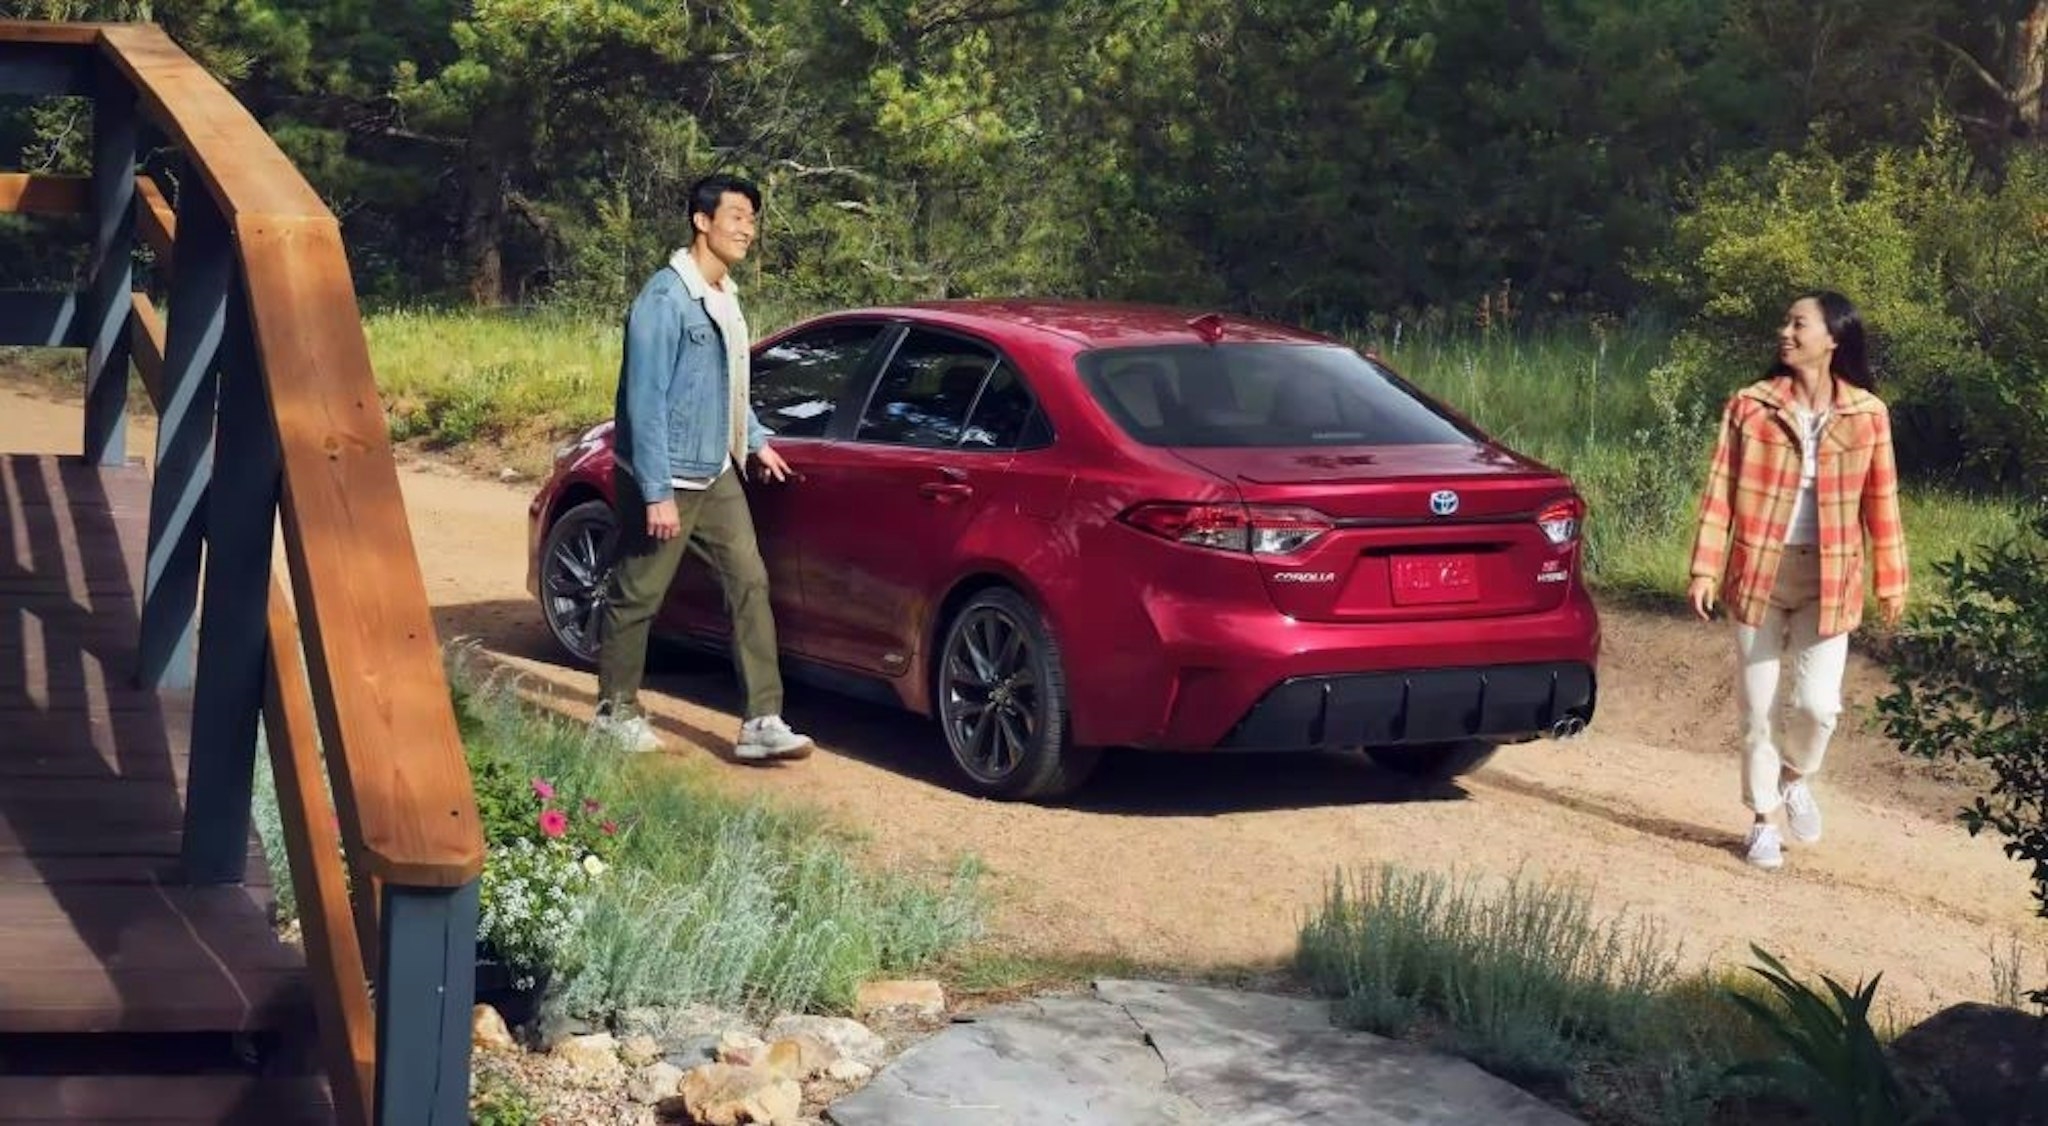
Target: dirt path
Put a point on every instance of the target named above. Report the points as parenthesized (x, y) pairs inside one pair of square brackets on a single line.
[(1213, 860)]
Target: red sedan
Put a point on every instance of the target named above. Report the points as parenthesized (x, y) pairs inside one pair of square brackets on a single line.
[(1062, 527)]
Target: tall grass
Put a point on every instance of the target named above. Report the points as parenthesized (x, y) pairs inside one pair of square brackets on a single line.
[(1595, 400), (1523, 978), (712, 899), (741, 904), (518, 378)]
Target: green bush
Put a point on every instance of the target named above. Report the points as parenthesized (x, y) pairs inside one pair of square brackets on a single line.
[(1948, 263), (711, 898), (1971, 682), (1532, 985), (1831, 1060)]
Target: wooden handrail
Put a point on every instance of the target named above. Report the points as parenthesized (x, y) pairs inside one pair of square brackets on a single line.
[(355, 693), (385, 713), (36, 194)]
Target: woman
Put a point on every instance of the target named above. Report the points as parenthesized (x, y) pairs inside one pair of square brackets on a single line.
[(1803, 472)]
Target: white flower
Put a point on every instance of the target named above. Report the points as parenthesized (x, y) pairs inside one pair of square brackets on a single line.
[(593, 865)]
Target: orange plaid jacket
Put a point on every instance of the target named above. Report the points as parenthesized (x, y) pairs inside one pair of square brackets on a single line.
[(1747, 507)]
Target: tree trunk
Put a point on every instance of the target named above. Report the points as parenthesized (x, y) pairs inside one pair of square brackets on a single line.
[(486, 175), (2025, 69)]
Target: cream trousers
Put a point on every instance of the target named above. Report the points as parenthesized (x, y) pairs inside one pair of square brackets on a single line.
[(1790, 633)]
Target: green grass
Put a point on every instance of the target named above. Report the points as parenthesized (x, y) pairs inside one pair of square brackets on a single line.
[(1521, 976), (743, 904), (1590, 400), (520, 379)]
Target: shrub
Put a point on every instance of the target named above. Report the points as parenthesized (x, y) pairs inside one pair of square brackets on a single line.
[(1971, 682), (1949, 266), (1531, 984), (1830, 1059)]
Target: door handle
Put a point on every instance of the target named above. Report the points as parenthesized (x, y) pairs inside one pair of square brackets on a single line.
[(945, 490)]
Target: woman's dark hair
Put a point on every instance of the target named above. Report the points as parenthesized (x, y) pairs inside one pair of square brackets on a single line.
[(1845, 324), (706, 193)]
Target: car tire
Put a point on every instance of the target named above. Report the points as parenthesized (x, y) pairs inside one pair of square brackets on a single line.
[(1436, 762), (1000, 694), (575, 572)]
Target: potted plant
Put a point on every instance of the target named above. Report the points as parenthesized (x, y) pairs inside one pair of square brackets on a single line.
[(545, 854)]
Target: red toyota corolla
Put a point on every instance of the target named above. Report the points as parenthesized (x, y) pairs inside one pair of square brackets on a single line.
[(1059, 528)]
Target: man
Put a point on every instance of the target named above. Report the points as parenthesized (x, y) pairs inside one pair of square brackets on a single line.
[(684, 434)]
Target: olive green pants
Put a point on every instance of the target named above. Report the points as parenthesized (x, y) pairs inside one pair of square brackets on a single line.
[(716, 523)]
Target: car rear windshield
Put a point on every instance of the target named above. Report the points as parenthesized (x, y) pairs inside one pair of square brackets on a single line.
[(1262, 395)]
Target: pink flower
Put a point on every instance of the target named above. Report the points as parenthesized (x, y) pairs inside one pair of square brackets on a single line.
[(542, 790), (609, 828), (554, 822), (590, 805)]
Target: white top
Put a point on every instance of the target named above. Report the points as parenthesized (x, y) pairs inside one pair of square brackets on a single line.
[(1805, 527), (723, 303)]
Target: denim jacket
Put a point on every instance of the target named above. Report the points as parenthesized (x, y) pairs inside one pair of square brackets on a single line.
[(671, 407)]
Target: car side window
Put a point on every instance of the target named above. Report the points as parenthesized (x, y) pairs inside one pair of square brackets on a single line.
[(924, 396), (796, 384), (1006, 417)]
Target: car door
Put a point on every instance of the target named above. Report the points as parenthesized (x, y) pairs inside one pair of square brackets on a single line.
[(798, 383), (901, 492)]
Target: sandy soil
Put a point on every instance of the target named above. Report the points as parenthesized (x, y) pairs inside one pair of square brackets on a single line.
[(1212, 861)]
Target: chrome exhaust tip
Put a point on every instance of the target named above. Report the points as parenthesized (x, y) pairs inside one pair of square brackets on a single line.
[(1567, 728)]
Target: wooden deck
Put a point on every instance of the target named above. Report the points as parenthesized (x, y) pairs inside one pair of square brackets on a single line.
[(97, 935)]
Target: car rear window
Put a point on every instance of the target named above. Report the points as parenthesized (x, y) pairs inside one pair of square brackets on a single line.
[(1262, 395)]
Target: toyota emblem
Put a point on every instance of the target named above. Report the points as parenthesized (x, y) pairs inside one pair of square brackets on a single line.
[(1443, 502)]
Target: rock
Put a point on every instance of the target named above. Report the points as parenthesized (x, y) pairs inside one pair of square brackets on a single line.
[(852, 1039), (849, 1071), (800, 1057), (509, 474), (1991, 1063), (719, 1094), (917, 998), (640, 1050), (653, 1083), (553, 1028), (487, 1031), (693, 1052), (741, 1049), (593, 1058)]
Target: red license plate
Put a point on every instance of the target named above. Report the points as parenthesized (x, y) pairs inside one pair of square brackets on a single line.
[(1421, 580)]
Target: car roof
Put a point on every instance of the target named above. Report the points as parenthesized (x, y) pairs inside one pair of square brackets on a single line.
[(1087, 324)]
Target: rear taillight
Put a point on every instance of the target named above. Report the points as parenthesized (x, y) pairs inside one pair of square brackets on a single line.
[(1256, 529), (1560, 520)]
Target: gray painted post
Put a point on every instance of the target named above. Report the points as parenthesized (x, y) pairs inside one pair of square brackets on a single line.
[(39, 320), (200, 288), (241, 513), (424, 997), (113, 266)]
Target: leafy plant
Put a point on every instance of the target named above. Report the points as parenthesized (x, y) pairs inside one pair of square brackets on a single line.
[(1971, 682), (546, 853), (1832, 1061)]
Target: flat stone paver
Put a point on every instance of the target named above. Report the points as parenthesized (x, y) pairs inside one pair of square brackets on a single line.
[(1135, 1053)]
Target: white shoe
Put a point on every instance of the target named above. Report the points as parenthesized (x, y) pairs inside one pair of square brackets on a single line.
[(1765, 849), (1802, 813), (767, 737), (631, 732)]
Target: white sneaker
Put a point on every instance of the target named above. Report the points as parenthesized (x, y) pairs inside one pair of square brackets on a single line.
[(631, 732), (1765, 849), (767, 737), (1802, 813)]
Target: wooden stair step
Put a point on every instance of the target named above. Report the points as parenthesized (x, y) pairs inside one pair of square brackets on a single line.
[(169, 1099)]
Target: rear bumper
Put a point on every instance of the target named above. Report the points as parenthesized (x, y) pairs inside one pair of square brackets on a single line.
[(1386, 709)]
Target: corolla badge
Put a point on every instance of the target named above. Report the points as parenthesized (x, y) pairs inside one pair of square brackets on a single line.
[(1443, 502)]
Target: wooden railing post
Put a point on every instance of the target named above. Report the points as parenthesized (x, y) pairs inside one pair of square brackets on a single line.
[(113, 266), (200, 291), (241, 515), (424, 995)]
